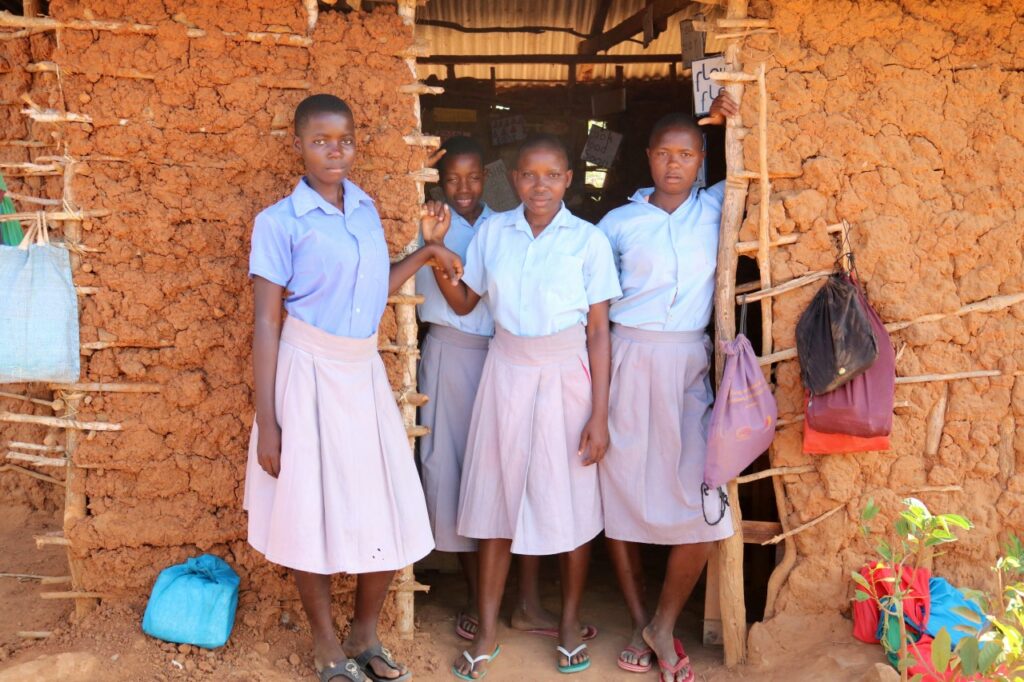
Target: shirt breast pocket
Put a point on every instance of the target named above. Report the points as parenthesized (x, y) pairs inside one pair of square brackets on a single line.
[(698, 251), (566, 285)]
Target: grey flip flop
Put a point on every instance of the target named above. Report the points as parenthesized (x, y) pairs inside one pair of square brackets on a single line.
[(346, 670), (379, 651)]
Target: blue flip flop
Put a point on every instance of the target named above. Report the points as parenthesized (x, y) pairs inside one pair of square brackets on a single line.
[(573, 667), (473, 663)]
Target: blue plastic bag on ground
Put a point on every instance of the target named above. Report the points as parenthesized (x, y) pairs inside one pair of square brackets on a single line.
[(38, 312), (946, 598), (193, 603)]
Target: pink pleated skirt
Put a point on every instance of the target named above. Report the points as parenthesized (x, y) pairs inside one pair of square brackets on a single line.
[(659, 409), (522, 478), (450, 367), (348, 498)]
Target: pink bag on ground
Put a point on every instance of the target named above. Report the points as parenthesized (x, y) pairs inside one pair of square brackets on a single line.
[(743, 418), (863, 406)]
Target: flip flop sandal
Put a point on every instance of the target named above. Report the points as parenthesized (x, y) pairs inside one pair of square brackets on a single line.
[(379, 651), (572, 667), (349, 670), (460, 628), (589, 632), (473, 663), (638, 653), (683, 662)]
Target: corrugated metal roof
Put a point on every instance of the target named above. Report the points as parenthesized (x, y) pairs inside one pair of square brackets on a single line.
[(574, 14)]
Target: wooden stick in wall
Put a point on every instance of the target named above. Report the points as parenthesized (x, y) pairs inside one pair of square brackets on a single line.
[(936, 423), (36, 24), (31, 474), (729, 559)]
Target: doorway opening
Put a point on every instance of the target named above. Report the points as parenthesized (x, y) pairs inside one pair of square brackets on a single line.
[(597, 73)]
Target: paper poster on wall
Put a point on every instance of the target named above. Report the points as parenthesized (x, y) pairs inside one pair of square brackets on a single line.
[(507, 130), (601, 147), (704, 89), (498, 192)]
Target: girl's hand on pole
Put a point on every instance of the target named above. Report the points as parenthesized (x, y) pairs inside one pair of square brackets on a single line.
[(447, 262), (722, 108)]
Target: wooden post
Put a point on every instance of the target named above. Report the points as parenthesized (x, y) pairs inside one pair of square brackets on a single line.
[(406, 337), (729, 557)]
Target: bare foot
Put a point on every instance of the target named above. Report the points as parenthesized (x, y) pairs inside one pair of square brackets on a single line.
[(533, 617), (637, 644), (475, 660), (663, 644)]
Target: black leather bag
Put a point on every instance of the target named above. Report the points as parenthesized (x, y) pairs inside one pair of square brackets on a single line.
[(834, 338)]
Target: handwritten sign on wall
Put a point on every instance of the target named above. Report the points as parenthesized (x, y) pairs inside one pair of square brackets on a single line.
[(704, 89)]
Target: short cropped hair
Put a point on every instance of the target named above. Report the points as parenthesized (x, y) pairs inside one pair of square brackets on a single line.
[(674, 121), (460, 145), (320, 104), (544, 141)]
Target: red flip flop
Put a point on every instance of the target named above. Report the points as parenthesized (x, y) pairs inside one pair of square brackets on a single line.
[(589, 632), (683, 662), (460, 629), (639, 653)]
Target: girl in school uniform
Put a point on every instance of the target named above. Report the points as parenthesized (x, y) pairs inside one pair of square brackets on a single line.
[(331, 484), (452, 361), (540, 418), (665, 243)]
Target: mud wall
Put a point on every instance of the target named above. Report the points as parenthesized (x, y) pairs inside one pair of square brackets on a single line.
[(906, 119), (44, 90), (190, 138)]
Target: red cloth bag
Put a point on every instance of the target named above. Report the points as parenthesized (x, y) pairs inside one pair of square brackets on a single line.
[(818, 443), (862, 406)]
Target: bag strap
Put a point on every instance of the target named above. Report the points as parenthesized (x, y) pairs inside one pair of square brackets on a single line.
[(743, 314), (31, 234)]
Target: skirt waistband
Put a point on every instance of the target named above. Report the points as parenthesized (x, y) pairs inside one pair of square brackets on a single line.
[(540, 350), (651, 336), (321, 344), (457, 337)]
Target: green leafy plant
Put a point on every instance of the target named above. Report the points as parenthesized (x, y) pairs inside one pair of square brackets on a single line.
[(997, 653), (915, 531)]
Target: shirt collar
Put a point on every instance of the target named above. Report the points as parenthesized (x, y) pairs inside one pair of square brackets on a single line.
[(561, 219), (484, 214), (305, 199), (643, 196)]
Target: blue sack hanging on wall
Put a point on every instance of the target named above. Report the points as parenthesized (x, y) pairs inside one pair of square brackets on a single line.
[(193, 603)]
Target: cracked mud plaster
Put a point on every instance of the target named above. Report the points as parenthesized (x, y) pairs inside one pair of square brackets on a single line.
[(185, 161), (906, 119)]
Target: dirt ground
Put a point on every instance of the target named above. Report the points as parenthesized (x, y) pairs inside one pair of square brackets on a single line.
[(270, 643)]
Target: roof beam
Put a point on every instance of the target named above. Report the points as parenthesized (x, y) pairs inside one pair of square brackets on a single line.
[(600, 18), (440, 23), (550, 59), (661, 10)]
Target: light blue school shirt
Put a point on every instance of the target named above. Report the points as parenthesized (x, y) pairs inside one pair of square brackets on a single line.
[(666, 261), (335, 264), (434, 308), (540, 286)]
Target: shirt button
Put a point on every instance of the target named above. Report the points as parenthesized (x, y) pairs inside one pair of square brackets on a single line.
[(357, 310)]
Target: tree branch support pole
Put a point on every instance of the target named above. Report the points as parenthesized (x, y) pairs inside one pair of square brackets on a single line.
[(74, 499), (405, 317), (727, 557)]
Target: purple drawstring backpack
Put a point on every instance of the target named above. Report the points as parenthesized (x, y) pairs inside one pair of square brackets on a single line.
[(743, 418)]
